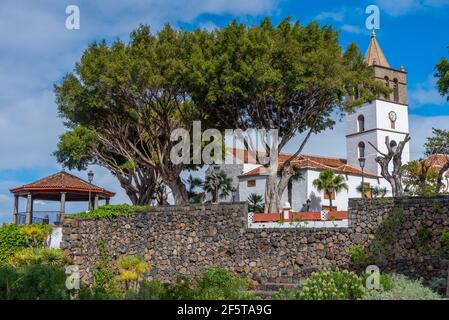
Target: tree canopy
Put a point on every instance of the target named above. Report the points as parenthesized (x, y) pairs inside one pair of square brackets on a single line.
[(287, 77)]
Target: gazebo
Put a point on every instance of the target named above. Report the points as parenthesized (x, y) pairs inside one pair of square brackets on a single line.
[(61, 186)]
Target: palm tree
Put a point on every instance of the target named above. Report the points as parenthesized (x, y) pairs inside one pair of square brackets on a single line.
[(219, 185), (376, 192), (193, 184), (255, 202), (330, 182)]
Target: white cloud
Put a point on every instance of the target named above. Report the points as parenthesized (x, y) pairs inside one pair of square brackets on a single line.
[(425, 93), (402, 7), (351, 28), (329, 15)]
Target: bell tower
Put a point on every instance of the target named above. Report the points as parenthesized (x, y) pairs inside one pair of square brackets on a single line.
[(384, 116)]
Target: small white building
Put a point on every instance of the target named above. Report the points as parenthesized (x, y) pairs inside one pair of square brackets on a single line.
[(368, 124)]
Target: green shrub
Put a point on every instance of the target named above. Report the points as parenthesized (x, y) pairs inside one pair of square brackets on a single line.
[(149, 290), (42, 256), (357, 254), (33, 282), (422, 239), (219, 284), (14, 238), (110, 212), (285, 294), (182, 289), (403, 289), (332, 285), (443, 252)]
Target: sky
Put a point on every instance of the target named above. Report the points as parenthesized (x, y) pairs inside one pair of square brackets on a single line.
[(37, 50)]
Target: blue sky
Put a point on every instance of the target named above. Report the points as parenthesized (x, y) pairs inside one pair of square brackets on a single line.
[(36, 50)]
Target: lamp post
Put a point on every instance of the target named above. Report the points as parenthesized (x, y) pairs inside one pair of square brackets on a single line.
[(90, 178), (362, 166), (331, 192)]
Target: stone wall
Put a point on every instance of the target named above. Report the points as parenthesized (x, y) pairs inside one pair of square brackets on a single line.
[(181, 240)]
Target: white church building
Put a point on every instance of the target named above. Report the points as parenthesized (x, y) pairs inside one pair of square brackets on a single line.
[(370, 123)]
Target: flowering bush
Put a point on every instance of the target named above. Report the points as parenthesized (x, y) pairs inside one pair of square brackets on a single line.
[(332, 285)]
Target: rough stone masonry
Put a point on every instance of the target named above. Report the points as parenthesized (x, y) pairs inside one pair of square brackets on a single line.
[(182, 240)]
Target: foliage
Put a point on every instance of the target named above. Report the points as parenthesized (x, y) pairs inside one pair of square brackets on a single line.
[(181, 289), (442, 74), (332, 285), (287, 77), (149, 290), (419, 178), (219, 284), (357, 254), (33, 282), (376, 191), (192, 185), (403, 289), (39, 256), (131, 269), (443, 252), (14, 238), (132, 96), (255, 203), (327, 180), (422, 239), (110, 212), (219, 185), (385, 236)]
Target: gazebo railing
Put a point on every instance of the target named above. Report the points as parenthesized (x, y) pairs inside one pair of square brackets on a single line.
[(40, 217)]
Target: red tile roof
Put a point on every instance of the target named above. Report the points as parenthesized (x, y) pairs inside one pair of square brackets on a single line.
[(302, 161), (63, 181)]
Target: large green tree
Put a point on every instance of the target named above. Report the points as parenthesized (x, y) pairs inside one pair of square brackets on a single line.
[(287, 77), (438, 144), (442, 74), (132, 96), (79, 147)]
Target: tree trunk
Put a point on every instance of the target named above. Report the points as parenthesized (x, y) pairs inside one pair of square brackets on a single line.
[(271, 195), (440, 177), (178, 189), (330, 201)]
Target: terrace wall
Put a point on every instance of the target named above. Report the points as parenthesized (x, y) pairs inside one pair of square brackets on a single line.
[(181, 240)]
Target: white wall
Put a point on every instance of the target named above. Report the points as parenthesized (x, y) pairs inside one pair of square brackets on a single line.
[(376, 117), (304, 189)]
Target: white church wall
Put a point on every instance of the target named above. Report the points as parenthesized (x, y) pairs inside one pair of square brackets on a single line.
[(352, 151)]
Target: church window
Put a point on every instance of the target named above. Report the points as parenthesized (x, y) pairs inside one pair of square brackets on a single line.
[(396, 90), (387, 81), (361, 149), (361, 123)]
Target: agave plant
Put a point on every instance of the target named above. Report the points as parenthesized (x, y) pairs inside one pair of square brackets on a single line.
[(255, 202)]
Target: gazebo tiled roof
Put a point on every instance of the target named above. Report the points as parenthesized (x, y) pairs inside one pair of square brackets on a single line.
[(60, 182)]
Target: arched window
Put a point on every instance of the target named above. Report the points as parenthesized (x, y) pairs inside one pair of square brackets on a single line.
[(361, 123), (387, 81), (361, 149), (396, 90)]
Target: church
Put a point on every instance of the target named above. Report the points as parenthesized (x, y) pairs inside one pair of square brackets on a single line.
[(368, 124)]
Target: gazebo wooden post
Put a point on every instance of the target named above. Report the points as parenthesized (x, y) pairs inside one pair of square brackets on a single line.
[(107, 201), (62, 207), (29, 210), (96, 198), (16, 209)]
